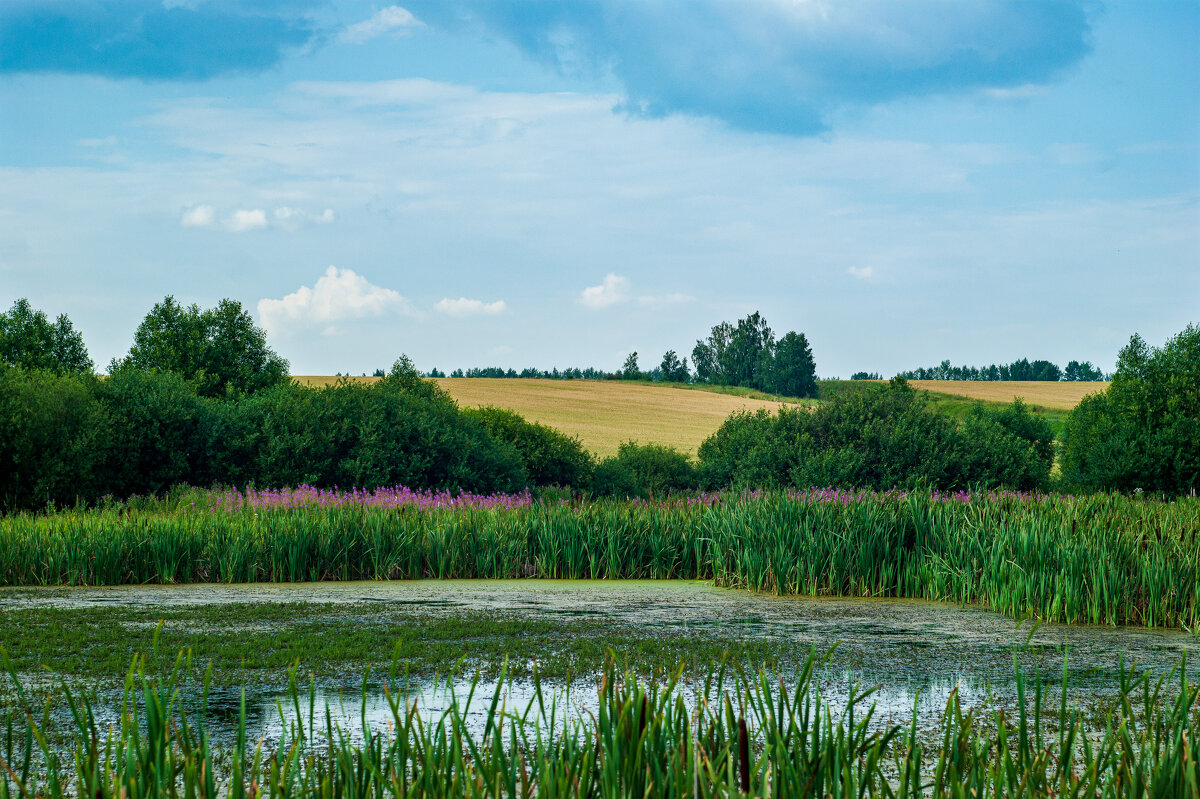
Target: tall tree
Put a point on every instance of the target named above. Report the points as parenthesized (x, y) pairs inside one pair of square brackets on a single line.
[(672, 369), (29, 340), (1077, 371), (220, 350), (751, 349), (630, 370), (794, 372)]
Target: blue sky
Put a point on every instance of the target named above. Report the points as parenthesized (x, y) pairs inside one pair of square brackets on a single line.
[(554, 182)]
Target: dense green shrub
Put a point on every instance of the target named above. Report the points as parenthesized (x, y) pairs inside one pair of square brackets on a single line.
[(352, 434), (878, 436), (1144, 431), (156, 433), (70, 438), (50, 428), (550, 457), (644, 470)]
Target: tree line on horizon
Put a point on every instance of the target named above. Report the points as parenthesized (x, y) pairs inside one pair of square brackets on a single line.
[(744, 354), (202, 398), (1019, 370)]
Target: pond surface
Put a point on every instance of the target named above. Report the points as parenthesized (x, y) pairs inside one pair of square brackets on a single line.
[(913, 651)]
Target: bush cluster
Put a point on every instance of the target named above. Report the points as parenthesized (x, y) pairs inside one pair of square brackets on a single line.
[(1144, 431), (65, 439), (879, 437)]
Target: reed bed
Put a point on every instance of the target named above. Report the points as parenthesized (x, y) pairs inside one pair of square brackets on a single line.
[(1099, 559), (735, 737)]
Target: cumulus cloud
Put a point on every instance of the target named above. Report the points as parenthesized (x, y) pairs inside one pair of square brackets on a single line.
[(613, 290), (392, 19), (149, 38), (468, 307), (861, 272), (243, 220), (777, 65), (339, 294)]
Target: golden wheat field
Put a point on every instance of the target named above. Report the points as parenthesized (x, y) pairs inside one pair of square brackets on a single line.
[(1059, 396), (602, 414)]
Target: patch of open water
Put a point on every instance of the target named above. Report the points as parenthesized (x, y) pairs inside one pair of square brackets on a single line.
[(912, 651)]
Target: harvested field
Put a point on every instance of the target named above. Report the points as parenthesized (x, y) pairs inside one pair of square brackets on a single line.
[(1059, 396), (601, 413)]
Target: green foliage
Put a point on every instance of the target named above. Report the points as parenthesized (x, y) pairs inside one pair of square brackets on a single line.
[(50, 428), (630, 370), (1095, 559), (220, 350), (747, 354), (1144, 431), (70, 438), (866, 376), (749, 736), (1077, 371), (644, 471), (879, 436), (550, 457), (28, 340), (793, 373), (1023, 369), (157, 432), (672, 369)]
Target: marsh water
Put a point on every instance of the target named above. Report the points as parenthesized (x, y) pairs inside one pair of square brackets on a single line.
[(915, 653)]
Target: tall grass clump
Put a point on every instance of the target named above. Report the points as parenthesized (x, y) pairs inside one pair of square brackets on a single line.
[(736, 737), (1099, 559)]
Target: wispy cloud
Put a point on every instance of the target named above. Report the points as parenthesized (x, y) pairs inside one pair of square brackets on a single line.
[(861, 272), (199, 216), (247, 219), (468, 307), (613, 290), (339, 294), (393, 19)]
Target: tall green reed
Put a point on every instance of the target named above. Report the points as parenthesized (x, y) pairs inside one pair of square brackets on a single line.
[(1101, 559), (727, 736)]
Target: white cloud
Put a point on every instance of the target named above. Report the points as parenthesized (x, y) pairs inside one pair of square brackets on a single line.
[(614, 289), (388, 20), (199, 216), (467, 307), (338, 294), (861, 272), (246, 219)]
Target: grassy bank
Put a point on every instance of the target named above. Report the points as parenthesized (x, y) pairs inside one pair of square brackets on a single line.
[(740, 736), (1101, 559)]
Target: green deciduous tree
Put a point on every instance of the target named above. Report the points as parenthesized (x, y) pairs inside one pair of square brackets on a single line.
[(793, 371), (1144, 431), (220, 350), (1077, 371), (630, 370), (28, 340), (672, 369)]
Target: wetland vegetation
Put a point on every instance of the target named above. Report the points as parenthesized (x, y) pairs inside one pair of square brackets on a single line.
[(1098, 559)]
